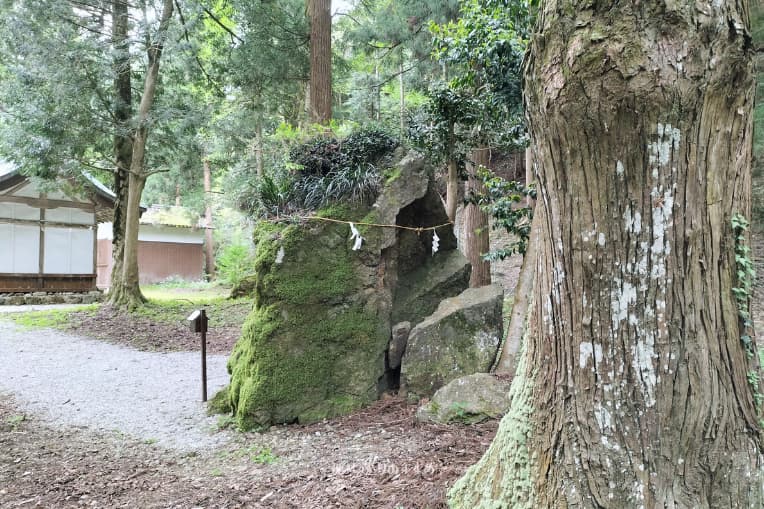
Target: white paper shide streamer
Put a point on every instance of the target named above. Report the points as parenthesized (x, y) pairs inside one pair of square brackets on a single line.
[(280, 255), (354, 234), (435, 242)]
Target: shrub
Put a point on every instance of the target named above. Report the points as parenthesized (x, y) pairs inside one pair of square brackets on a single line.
[(234, 263)]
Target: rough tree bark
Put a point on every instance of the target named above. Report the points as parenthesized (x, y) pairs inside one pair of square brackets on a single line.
[(320, 90), (476, 227), (632, 390), (128, 293), (123, 143)]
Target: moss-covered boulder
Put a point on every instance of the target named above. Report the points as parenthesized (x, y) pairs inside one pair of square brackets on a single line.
[(461, 338), (316, 343), (468, 400)]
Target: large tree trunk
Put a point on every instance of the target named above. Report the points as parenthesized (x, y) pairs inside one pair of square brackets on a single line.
[(123, 144), (632, 388), (128, 293), (320, 91), (476, 227)]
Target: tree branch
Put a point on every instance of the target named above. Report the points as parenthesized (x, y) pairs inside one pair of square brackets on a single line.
[(220, 23)]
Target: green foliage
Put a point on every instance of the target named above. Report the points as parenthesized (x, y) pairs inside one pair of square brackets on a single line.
[(745, 275), (324, 171), (233, 264), (505, 202), (324, 155)]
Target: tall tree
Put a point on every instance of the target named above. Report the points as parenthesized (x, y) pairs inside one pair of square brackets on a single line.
[(123, 142), (484, 49), (320, 89), (128, 293), (638, 384)]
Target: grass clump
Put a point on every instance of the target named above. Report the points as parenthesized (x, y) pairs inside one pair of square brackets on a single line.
[(60, 319)]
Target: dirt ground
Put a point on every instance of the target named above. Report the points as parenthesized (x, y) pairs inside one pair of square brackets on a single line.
[(143, 333), (378, 458)]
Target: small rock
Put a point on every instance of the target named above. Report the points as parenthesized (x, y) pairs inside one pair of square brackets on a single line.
[(398, 342), (468, 400), (461, 338)]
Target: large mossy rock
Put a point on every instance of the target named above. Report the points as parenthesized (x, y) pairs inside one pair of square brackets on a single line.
[(315, 345), (461, 338), (468, 400)]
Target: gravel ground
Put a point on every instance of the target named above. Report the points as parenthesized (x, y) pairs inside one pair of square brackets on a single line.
[(71, 381)]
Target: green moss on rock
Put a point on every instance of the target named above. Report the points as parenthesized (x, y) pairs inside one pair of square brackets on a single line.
[(220, 403), (309, 350)]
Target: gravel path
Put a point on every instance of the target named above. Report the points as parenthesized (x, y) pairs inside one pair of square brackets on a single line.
[(72, 381)]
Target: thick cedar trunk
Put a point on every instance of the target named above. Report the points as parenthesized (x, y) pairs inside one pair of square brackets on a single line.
[(123, 144), (209, 247), (320, 92), (128, 293), (476, 228), (631, 390)]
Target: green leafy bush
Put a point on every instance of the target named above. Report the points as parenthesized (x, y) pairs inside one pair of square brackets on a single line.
[(503, 200), (234, 263), (323, 156), (325, 171)]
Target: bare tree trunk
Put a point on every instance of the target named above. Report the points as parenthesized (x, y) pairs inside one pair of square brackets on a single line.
[(320, 61), (452, 178), (510, 351), (402, 99), (476, 227), (123, 144), (208, 242), (258, 146), (127, 293), (634, 388)]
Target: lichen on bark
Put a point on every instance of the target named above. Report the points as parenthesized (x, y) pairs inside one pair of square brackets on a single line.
[(640, 119), (502, 478)]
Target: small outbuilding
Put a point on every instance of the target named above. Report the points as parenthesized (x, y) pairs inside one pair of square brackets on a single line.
[(48, 235), (170, 246)]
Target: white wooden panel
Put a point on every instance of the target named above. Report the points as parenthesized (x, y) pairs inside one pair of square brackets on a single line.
[(105, 231), (19, 211), (176, 234), (6, 248), (69, 216), (58, 251), (19, 249), (59, 215), (82, 251), (68, 251), (78, 216), (22, 211)]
